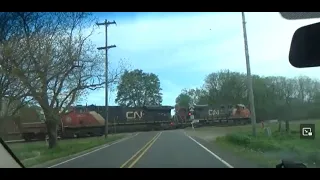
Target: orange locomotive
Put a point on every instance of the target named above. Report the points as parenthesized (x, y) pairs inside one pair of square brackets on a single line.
[(240, 111), (205, 114)]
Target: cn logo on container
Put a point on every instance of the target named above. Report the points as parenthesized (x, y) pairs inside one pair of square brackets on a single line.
[(134, 115), (213, 112)]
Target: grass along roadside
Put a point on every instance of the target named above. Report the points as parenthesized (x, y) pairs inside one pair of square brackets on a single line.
[(281, 145), (264, 150), (35, 153)]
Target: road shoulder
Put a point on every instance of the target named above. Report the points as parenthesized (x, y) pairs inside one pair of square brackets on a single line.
[(228, 156), (54, 162)]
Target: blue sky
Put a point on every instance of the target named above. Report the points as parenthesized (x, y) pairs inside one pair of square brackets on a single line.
[(182, 48)]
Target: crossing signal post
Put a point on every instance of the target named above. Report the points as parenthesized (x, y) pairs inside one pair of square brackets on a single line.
[(191, 110)]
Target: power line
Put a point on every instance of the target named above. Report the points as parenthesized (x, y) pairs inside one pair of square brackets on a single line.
[(249, 77), (106, 23)]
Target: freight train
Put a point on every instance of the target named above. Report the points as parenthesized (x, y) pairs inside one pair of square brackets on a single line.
[(205, 115), (81, 121), (90, 120)]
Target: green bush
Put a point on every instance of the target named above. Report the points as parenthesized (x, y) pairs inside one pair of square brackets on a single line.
[(238, 139), (255, 143), (281, 136)]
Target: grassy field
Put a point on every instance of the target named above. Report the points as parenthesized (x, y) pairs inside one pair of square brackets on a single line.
[(34, 153), (264, 150)]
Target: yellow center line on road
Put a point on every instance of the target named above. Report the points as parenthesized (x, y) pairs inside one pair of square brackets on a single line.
[(142, 151)]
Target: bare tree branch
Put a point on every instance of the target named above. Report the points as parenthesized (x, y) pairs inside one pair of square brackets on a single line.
[(51, 56)]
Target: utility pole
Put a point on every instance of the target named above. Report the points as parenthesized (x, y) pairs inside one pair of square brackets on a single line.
[(249, 77), (106, 23)]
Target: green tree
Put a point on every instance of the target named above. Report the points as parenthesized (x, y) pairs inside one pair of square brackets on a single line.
[(276, 97), (195, 96), (51, 55), (137, 88), (183, 100)]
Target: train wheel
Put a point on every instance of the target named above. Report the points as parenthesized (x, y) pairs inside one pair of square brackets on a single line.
[(41, 136), (26, 137)]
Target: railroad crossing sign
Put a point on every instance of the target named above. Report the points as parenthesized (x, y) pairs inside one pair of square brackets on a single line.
[(191, 108)]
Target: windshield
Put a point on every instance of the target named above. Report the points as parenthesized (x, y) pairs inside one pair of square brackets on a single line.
[(214, 87)]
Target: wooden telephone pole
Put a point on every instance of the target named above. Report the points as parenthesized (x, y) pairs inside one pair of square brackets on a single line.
[(106, 23), (249, 77)]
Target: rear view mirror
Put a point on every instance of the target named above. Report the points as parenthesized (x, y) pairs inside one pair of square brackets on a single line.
[(305, 47), (300, 15)]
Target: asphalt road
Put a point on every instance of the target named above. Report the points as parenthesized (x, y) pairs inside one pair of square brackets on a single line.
[(165, 149)]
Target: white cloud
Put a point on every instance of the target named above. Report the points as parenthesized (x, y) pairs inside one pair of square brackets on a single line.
[(154, 33), (183, 48)]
